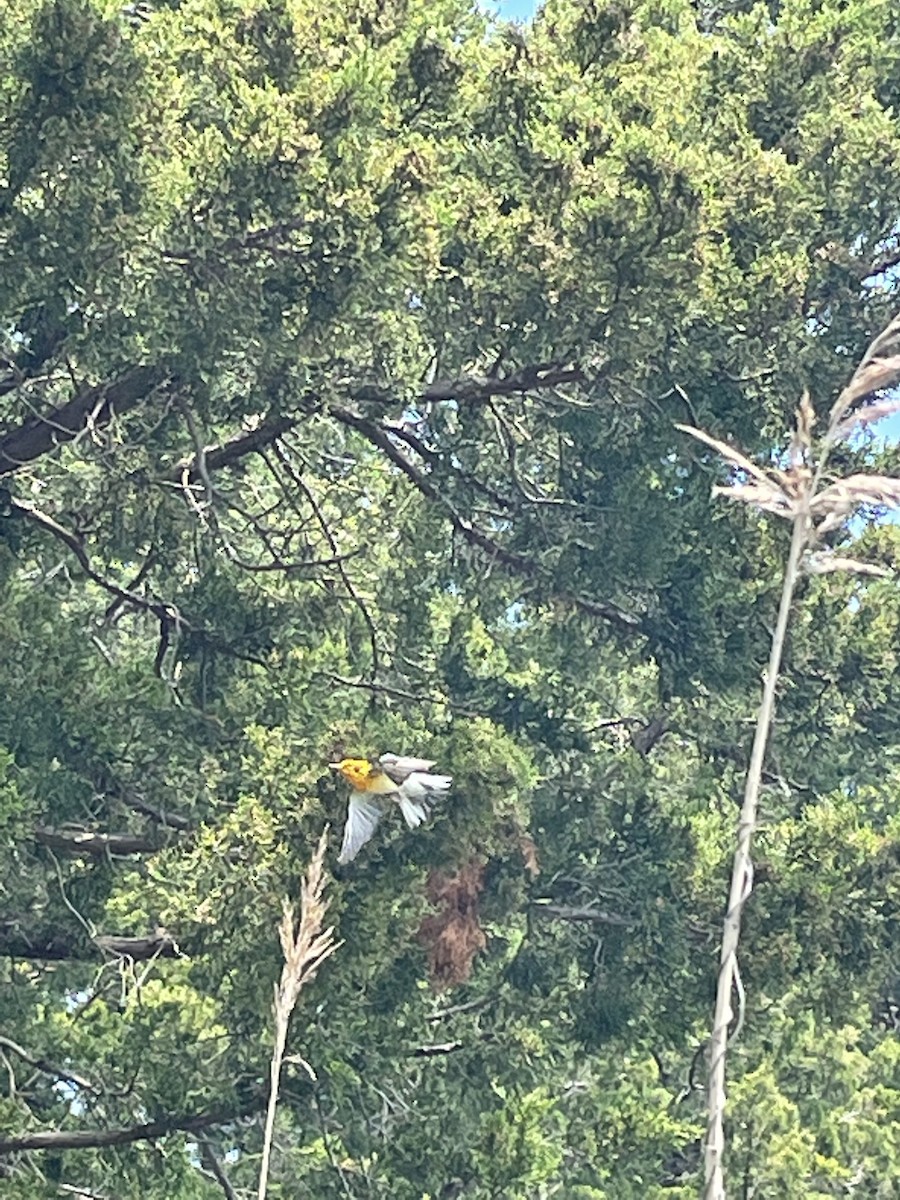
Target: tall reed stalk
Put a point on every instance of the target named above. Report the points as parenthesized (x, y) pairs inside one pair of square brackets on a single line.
[(802, 494), (305, 946)]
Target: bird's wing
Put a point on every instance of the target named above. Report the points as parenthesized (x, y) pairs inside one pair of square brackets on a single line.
[(398, 768), (363, 816), (421, 783)]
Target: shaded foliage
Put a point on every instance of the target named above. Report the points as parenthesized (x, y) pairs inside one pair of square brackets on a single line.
[(345, 346)]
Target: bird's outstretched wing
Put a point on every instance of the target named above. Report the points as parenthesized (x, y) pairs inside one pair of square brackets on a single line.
[(363, 816), (398, 768)]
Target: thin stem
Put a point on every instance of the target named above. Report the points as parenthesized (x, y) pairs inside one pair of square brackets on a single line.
[(281, 1027), (742, 871)]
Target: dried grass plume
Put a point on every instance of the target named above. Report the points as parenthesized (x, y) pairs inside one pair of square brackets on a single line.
[(305, 945)]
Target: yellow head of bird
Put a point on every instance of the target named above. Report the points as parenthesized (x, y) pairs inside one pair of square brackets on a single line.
[(357, 771)]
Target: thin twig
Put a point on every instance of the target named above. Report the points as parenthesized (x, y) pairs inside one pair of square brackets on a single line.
[(326, 1142), (48, 1068), (444, 1014), (387, 689), (587, 915), (338, 558), (380, 437)]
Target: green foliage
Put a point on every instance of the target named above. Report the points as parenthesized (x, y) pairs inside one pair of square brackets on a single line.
[(458, 281)]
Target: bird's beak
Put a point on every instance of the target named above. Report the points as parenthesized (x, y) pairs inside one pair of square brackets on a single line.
[(334, 766)]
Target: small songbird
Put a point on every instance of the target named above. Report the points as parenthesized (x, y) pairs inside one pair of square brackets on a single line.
[(376, 783)]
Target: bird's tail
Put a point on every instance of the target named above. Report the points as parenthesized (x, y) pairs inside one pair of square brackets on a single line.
[(415, 812), (417, 794)]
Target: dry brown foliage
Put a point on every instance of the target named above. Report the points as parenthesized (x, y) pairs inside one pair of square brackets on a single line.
[(453, 937), (530, 855)]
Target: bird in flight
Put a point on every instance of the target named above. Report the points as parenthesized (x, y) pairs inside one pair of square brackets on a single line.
[(376, 784)]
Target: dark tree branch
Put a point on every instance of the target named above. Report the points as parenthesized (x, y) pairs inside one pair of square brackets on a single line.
[(95, 1139), (232, 451), (378, 436), (96, 845), (165, 612), (435, 1050), (210, 1160), (55, 945), (387, 689), (444, 1014), (160, 815), (319, 515), (528, 379), (606, 612), (266, 237), (137, 579), (159, 944), (643, 740), (93, 405), (45, 1067), (881, 265)]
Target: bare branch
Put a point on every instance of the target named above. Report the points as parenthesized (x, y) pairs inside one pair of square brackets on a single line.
[(644, 739), (40, 434), (234, 449), (80, 1193), (528, 379), (94, 406), (444, 1014), (337, 557), (210, 1160), (379, 436), (88, 843), (47, 1068), (165, 612), (94, 1139), (436, 1050), (387, 689), (137, 579), (160, 815), (54, 945)]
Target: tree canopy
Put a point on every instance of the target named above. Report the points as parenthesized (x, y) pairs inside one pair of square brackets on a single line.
[(342, 352)]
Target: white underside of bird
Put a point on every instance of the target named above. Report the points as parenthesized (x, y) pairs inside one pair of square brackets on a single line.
[(407, 782)]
